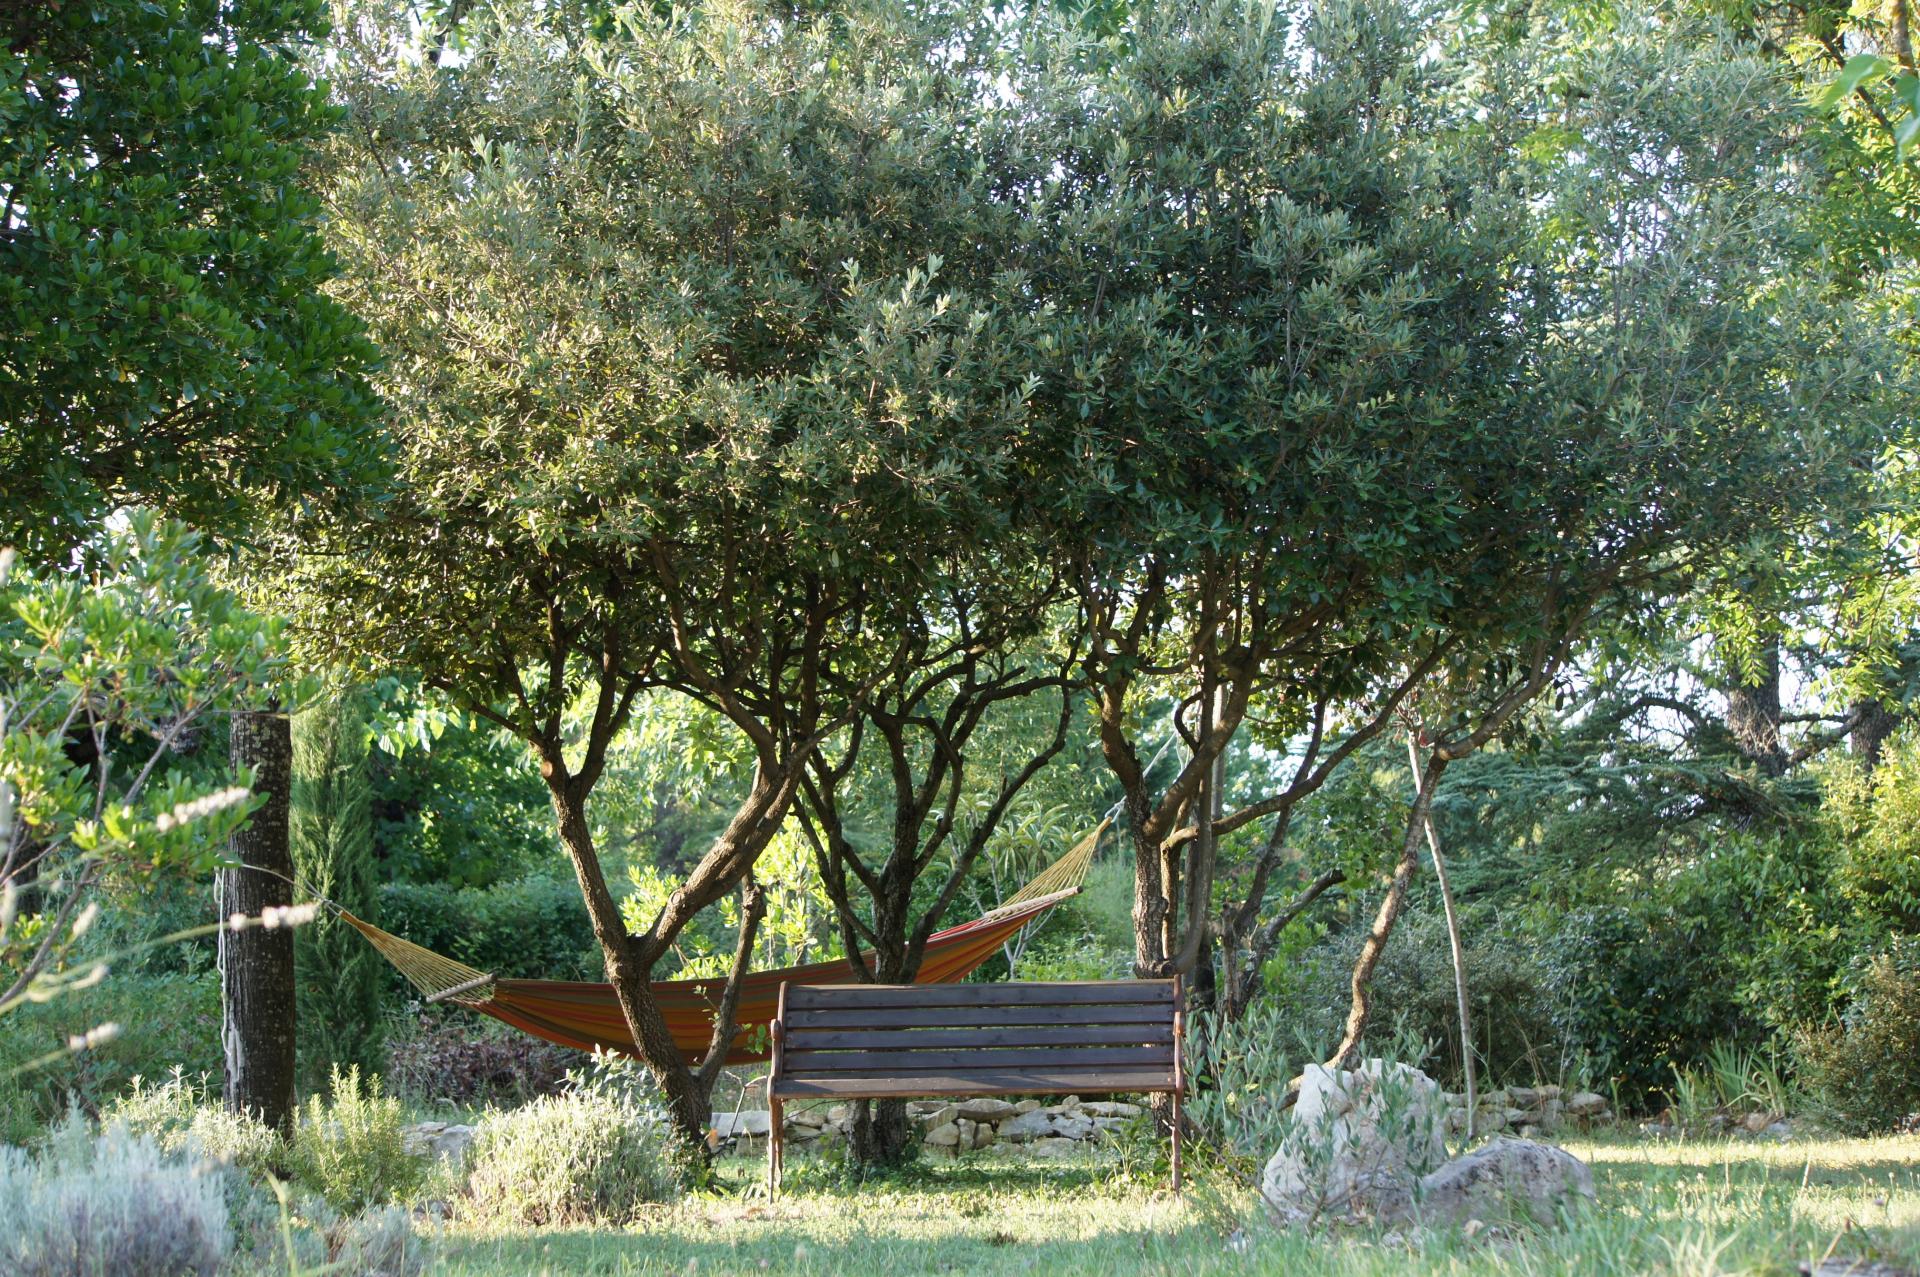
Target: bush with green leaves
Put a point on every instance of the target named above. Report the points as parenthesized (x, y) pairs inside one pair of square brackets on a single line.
[(593, 1155), (1864, 1073), (165, 1021), (350, 1146), (110, 1204), (531, 927)]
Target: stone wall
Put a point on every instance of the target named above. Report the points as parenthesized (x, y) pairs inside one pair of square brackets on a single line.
[(954, 1127)]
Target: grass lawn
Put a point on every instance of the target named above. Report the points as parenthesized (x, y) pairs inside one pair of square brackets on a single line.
[(1693, 1208)]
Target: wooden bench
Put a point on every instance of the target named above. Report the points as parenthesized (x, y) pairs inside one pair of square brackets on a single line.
[(962, 1041)]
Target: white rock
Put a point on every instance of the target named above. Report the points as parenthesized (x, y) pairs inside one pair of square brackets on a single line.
[(806, 1117), (1031, 1125), (1358, 1143), (983, 1135), (749, 1122), (1028, 1106), (987, 1110), (946, 1136), (1505, 1179), (1586, 1104), (1522, 1096), (1053, 1148), (437, 1139), (1110, 1108), (1074, 1127)]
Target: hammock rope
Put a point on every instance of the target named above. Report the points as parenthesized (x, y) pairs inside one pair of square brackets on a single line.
[(588, 1016)]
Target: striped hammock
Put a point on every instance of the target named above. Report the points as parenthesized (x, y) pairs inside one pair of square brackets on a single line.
[(586, 1015)]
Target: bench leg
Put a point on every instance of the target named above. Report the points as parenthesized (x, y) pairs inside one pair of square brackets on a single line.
[(776, 1131), (1177, 1123)]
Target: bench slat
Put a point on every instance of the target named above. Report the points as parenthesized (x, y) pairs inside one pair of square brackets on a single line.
[(804, 997), (849, 1017), (905, 1039), (805, 1063), (855, 1086)]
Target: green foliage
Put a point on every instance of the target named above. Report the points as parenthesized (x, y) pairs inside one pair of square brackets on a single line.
[(1864, 1073), (348, 1146), (108, 1205), (166, 1021), (167, 341), (329, 829), (1643, 988), (592, 1155), (1877, 817), (132, 657), (533, 928), (453, 798), (1246, 1068)]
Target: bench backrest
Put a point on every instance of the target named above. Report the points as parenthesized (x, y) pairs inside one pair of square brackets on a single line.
[(1008, 1038)]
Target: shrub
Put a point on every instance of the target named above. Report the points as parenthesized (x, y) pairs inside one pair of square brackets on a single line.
[(534, 927), (164, 1020), (109, 1205), (457, 1058), (378, 1243), (1247, 1067), (1864, 1074), (180, 1117), (590, 1155), (351, 1149)]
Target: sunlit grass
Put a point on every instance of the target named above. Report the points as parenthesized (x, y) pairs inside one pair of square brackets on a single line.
[(1696, 1208)]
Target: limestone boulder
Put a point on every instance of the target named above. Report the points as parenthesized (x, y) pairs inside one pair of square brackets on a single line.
[(1358, 1144), (1505, 1179), (987, 1110), (1585, 1104), (1021, 1128)]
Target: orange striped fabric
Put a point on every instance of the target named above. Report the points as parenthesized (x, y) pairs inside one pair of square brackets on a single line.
[(587, 1015)]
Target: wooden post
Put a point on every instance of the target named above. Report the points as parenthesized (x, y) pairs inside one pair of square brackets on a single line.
[(256, 964), (1179, 1073), (776, 1117)]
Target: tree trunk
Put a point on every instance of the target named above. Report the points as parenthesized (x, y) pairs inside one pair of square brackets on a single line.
[(881, 1135), (1361, 985), (1876, 723), (1753, 713), (256, 964), (689, 1104)]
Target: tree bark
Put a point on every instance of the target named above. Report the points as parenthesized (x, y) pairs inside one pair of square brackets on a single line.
[(256, 964), (629, 960), (1875, 723)]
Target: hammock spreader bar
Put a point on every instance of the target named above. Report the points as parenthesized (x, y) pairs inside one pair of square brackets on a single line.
[(586, 1015)]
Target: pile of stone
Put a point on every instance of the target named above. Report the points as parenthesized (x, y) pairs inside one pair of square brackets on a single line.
[(1526, 1111), (1049, 1130), (1369, 1144)]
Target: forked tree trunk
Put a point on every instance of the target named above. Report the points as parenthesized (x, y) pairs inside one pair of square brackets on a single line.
[(688, 1093), (256, 964)]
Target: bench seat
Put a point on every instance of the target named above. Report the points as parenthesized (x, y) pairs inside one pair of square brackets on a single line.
[(961, 1041)]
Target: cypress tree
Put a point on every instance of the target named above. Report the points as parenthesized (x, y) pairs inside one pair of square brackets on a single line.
[(331, 828)]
